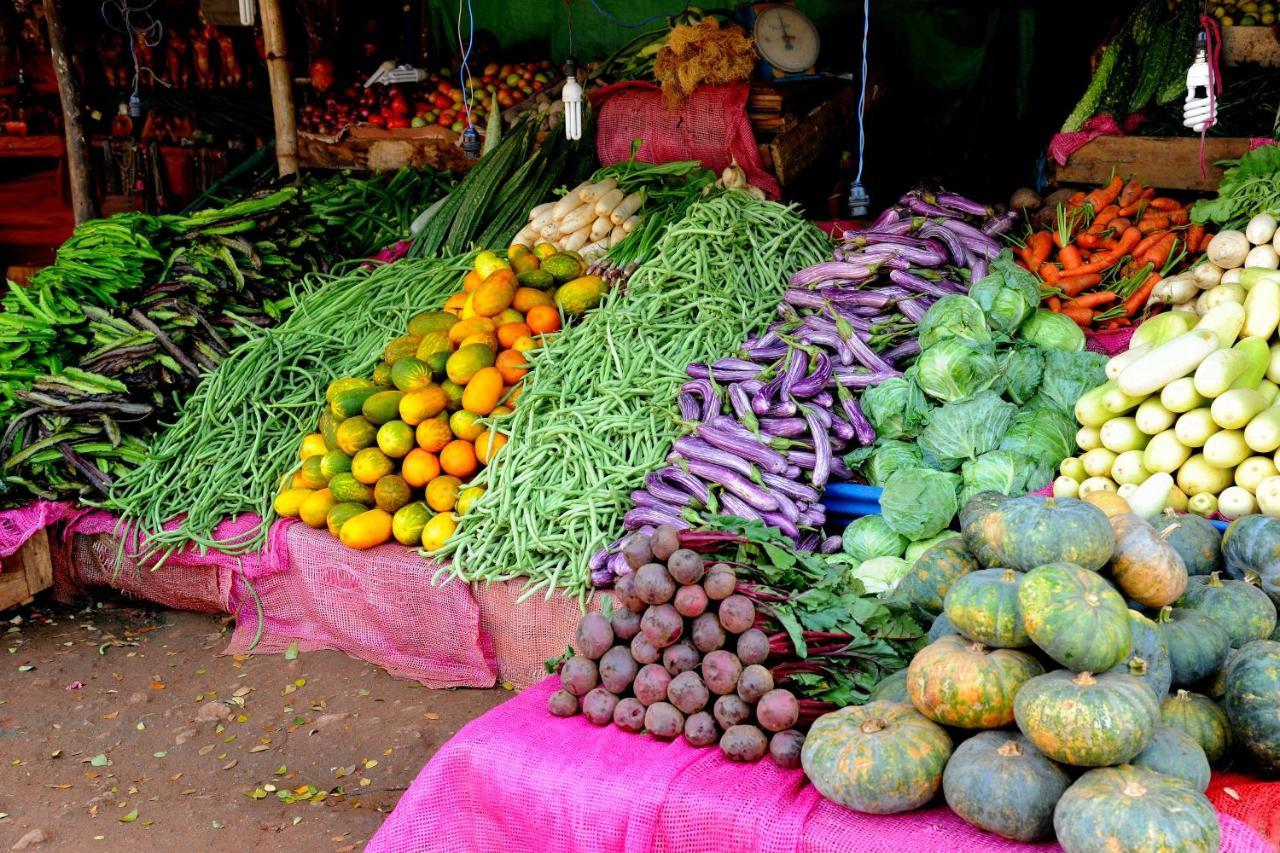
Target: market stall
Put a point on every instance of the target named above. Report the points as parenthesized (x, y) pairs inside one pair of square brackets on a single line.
[(815, 529)]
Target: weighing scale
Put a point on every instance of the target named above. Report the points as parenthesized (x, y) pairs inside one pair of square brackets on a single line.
[(786, 40)]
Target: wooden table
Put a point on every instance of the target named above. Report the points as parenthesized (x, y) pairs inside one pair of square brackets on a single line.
[(42, 145)]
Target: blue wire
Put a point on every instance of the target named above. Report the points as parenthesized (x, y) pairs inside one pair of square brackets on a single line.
[(464, 72), (634, 26), (862, 98)]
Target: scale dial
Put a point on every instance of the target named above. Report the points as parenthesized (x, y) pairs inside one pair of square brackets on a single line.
[(786, 39)]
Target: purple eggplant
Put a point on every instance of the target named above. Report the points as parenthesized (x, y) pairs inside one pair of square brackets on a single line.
[(780, 521), (1000, 223), (753, 494), (958, 203), (932, 254), (822, 400), (974, 240), (863, 239), (791, 487), (740, 402), (783, 427), (728, 435), (693, 449), (920, 207), (889, 214), (921, 284), (862, 428), (734, 506), (839, 270), (665, 493), (977, 270), (830, 545), (686, 482), (649, 515), (707, 393), (689, 407), (808, 543), (816, 379), (906, 349), (841, 429), (914, 311), (948, 238), (852, 377), (822, 449)]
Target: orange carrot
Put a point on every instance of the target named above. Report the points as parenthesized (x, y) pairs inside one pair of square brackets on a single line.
[(1149, 192), (1049, 273), (1159, 253), (1166, 204), (1132, 192), (1180, 216), (1041, 244), (1070, 258), (1132, 208), (1153, 222), (1134, 303), (1053, 303), (1082, 316), (1089, 241), (1105, 260), (1093, 300), (1120, 223), (1076, 199), (1103, 196), (1104, 216), (1145, 244), (1195, 235), (1074, 285)]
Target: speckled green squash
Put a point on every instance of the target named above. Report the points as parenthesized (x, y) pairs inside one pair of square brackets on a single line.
[(1252, 700), (879, 758), (941, 627), (1125, 809), (1244, 611), (1197, 644), (934, 572), (1145, 567), (960, 683), (1173, 752), (982, 525), (1087, 720), (1216, 684), (1195, 539), (892, 688), (1200, 718), (983, 605), (1148, 659), (1075, 617), (1251, 550), (1000, 783), (1040, 530)]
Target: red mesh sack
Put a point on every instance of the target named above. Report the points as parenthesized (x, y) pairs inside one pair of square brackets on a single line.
[(712, 126)]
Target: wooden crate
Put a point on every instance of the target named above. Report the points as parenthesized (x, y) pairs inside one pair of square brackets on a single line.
[(1171, 163), (381, 154), (26, 573), (1256, 45), (799, 144)]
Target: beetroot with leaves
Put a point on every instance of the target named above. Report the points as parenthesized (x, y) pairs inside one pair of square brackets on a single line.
[(617, 670), (720, 671), (753, 646), (651, 684), (579, 675), (562, 703), (720, 582), (785, 747), (644, 651), (598, 706), (625, 624), (737, 614), (662, 625), (744, 743), (685, 566), (662, 720), (691, 601), (664, 542), (624, 591), (707, 634), (654, 584), (637, 551), (682, 657), (754, 682), (628, 715), (778, 710), (700, 730), (594, 636), (730, 710), (687, 692)]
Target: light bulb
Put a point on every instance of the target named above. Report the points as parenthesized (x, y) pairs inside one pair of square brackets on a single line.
[(572, 97), (1198, 112)]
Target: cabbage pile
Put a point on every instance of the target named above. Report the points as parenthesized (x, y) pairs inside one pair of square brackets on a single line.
[(987, 406)]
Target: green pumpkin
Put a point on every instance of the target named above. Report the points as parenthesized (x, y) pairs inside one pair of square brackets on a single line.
[(941, 627), (1000, 783), (1252, 700), (1200, 718), (892, 688), (1148, 659), (879, 758), (934, 572), (1040, 530), (1143, 566), (1087, 720), (1244, 611), (1173, 752), (1195, 539), (960, 683), (1197, 644), (1251, 551), (1075, 617), (1133, 809), (983, 605), (982, 525), (1216, 684)]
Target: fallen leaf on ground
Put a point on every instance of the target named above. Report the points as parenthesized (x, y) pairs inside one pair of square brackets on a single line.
[(291, 653), (205, 750), (130, 817), (99, 760)]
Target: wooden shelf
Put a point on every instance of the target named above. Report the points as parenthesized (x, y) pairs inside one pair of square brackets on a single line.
[(800, 141), (1256, 45), (41, 145), (1166, 162), (26, 573), (380, 154)]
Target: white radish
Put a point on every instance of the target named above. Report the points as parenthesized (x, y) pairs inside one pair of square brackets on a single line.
[(627, 207), (1262, 256), (1261, 229), (1124, 490), (608, 201), (592, 193), (1217, 372), (1232, 276), (1212, 298), (1121, 434), (631, 223), (1117, 363), (594, 251), (577, 239), (579, 218), (1254, 470), (567, 202), (1268, 496), (1203, 503), (527, 237), (541, 209), (1269, 390), (1235, 502), (1169, 361), (1228, 249), (1174, 290), (616, 236), (1207, 275), (600, 228), (1117, 402)]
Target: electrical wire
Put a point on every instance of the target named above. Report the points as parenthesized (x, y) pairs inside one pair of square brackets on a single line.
[(862, 97), (151, 32), (464, 72), (649, 20)]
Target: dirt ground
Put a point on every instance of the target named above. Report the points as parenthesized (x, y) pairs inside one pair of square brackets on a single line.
[(127, 729)]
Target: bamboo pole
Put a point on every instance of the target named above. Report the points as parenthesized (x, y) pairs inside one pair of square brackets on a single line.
[(69, 95), (281, 86)]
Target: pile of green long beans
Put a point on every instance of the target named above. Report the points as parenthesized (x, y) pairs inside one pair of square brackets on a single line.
[(237, 434), (363, 213), (599, 410)]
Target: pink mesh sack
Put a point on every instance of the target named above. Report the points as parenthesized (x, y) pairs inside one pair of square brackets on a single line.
[(711, 126)]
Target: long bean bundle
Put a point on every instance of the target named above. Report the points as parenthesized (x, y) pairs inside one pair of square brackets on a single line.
[(237, 434), (599, 412)]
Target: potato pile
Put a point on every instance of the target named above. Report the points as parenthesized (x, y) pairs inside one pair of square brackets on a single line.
[(679, 653)]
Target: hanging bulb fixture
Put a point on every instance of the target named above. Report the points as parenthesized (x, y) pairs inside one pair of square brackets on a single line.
[(572, 97), (1199, 111)]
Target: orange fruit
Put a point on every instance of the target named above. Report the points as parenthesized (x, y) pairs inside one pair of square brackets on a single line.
[(465, 425), (513, 366), (419, 467), (509, 333), (509, 402), (530, 297), (542, 319), (485, 339), (366, 530), (488, 445), (524, 343), (469, 327), (312, 445), (459, 459), (471, 281), (419, 406), (511, 315), (442, 493), (467, 497), (433, 434), (495, 293), (500, 411), (453, 305), (370, 465), (391, 493), (483, 391)]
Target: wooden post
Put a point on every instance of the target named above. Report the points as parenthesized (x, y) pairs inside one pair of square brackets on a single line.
[(69, 94), (281, 86)]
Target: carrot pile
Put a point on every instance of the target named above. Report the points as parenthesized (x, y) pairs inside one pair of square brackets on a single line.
[(1110, 248)]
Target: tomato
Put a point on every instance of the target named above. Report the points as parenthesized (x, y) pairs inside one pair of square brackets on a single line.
[(491, 69), (399, 106), (377, 120), (444, 87), (397, 121), (441, 102), (446, 119)]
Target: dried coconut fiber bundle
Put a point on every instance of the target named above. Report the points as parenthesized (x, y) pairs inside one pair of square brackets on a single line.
[(705, 54)]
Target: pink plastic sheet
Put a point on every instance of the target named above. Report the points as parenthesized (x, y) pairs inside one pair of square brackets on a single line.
[(518, 779)]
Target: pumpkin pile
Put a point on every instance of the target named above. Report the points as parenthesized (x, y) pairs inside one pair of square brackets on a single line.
[(659, 659), (393, 453), (1041, 659)]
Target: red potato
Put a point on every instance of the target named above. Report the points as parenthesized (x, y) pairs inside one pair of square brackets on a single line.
[(778, 710), (624, 590), (720, 582), (628, 715), (785, 747), (579, 675), (691, 601), (700, 730), (637, 551), (681, 657), (651, 684), (562, 703), (744, 744), (618, 669), (736, 614), (706, 633), (625, 624), (662, 625), (663, 721), (754, 682), (687, 692), (654, 584), (664, 542), (729, 711), (685, 566), (643, 651), (753, 646), (721, 671), (598, 706), (594, 636)]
